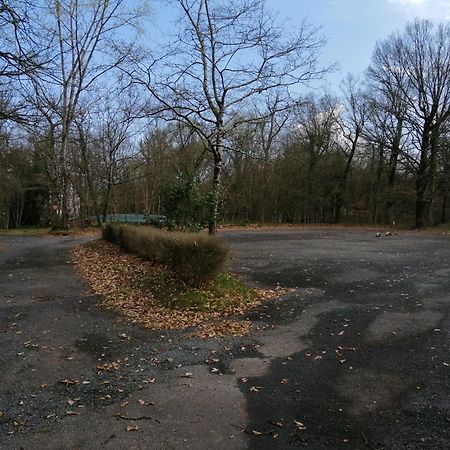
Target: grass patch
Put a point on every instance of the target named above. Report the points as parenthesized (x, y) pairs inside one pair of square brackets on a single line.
[(151, 295), (217, 295), (444, 228), (45, 231), (76, 231), (24, 231)]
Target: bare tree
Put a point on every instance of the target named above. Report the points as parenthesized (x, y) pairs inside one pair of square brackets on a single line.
[(79, 34), (225, 57), (385, 130), (103, 148), (351, 122), (417, 64), (22, 54), (314, 133)]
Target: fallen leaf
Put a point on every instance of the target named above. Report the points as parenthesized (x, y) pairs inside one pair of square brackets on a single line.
[(67, 381), (108, 367), (187, 375), (72, 413), (284, 381), (132, 427), (114, 275), (277, 424), (256, 388)]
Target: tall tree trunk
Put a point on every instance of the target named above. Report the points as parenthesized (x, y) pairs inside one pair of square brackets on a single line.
[(422, 179), (376, 209), (64, 174), (89, 182), (310, 209), (8, 212), (431, 189), (445, 184), (339, 197), (392, 171), (444, 208), (215, 195)]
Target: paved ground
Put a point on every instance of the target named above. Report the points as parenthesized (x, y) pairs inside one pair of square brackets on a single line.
[(355, 357)]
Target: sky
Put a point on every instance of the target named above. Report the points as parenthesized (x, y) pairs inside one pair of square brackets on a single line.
[(352, 27)]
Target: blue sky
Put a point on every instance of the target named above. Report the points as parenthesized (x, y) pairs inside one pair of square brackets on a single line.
[(353, 26)]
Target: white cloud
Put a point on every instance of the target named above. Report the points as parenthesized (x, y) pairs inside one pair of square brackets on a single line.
[(438, 10), (408, 2)]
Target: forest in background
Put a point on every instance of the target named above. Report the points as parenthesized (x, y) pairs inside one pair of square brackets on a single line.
[(217, 124)]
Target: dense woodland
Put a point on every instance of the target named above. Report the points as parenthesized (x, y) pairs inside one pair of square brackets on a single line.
[(217, 123)]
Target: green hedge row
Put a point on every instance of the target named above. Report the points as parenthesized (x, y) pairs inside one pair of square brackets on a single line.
[(192, 257)]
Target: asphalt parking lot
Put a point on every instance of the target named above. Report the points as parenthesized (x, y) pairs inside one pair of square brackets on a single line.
[(355, 356)]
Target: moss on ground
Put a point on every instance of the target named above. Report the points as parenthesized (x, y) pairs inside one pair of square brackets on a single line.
[(216, 296)]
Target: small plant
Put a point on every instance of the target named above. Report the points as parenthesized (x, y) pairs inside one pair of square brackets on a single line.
[(193, 258), (155, 220), (184, 204)]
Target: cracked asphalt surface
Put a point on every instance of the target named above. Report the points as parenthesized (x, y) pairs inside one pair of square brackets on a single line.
[(355, 356)]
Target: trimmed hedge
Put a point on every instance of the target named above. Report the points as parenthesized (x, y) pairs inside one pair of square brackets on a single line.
[(192, 257)]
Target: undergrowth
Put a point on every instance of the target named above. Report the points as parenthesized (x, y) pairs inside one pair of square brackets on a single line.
[(150, 294)]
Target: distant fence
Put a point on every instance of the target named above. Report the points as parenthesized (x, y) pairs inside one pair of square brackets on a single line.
[(130, 218)]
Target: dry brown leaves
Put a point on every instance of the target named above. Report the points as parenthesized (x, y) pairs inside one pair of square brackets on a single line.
[(223, 328), (113, 274), (80, 232)]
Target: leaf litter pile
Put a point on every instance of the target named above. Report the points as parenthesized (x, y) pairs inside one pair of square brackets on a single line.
[(150, 295)]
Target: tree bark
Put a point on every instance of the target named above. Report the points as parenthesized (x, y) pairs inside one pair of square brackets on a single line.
[(215, 194), (393, 160), (339, 198), (376, 210), (422, 179)]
